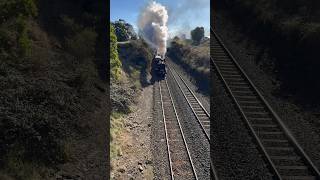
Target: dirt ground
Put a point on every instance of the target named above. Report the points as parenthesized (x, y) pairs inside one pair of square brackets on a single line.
[(135, 159)]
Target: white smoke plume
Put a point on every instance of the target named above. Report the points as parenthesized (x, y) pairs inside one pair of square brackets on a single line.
[(152, 26)]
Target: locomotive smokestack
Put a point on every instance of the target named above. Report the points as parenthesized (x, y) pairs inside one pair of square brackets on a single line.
[(152, 26)]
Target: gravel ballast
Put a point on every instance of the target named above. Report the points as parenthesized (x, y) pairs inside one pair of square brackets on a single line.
[(159, 147)]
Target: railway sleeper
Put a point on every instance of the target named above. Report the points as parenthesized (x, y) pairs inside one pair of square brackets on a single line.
[(238, 87), (261, 122), (256, 114), (281, 151), (224, 62), (253, 108), (229, 72), (193, 101), (233, 79), (220, 59), (296, 172), (261, 119), (269, 142), (246, 98), (226, 66), (266, 127), (231, 68), (220, 56), (243, 93), (270, 134), (228, 76), (196, 107), (216, 48), (190, 96), (218, 52), (299, 178), (201, 113), (205, 121), (287, 161), (239, 84)]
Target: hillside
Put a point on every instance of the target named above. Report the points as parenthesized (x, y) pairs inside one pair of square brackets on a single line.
[(194, 58), (290, 32), (129, 92), (53, 96)]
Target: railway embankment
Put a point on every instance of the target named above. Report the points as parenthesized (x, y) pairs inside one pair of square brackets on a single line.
[(132, 102), (252, 55), (133, 156), (194, 59)]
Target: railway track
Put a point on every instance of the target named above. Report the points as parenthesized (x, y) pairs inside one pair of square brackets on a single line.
[(180, 162), (285, 156), (201, 114), (197, 108)]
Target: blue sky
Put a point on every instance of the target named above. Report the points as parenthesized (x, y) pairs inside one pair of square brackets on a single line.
[(184, 15)]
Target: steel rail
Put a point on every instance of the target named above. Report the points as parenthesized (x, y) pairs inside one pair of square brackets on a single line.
[(277, 119), (189, 103), (166, 134), (213, 170), (180, 129)]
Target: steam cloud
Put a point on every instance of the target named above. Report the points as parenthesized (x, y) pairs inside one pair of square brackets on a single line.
[(152, 26)]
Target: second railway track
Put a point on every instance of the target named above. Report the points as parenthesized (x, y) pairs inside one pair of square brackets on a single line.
[(285, 156), (201, 114)]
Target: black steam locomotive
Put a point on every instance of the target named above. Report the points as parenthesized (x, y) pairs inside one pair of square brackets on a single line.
[(159, 66)]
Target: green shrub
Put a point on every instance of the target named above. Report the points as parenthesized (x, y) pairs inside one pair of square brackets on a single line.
[(115, 63), (15, 8), (82, 44), (17, 11), (24, 43)]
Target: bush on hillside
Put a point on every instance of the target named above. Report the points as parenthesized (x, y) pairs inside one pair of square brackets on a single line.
[(82, 43), (115, 63)]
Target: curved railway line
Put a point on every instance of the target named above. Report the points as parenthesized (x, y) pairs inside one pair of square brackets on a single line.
[(180, 162), (285, 156), (201, 114)]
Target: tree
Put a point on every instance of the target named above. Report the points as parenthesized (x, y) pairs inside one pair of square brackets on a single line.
[(121, 32), (124, 31), (197, 34), (115, 63)]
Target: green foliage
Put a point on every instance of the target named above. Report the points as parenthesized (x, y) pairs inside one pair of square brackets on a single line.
[(197, 34), (115, 63), (17, 11), (70, 25), (24, 42), (15, 8), (82, 44), (124, 31), (121, 32)]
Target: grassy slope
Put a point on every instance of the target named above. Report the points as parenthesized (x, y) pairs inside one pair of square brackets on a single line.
[(52, 96)]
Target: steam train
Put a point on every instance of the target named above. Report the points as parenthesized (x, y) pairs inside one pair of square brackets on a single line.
[(159, 66)]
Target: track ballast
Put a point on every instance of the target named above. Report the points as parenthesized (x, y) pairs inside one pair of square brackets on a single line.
[(180, 162)]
